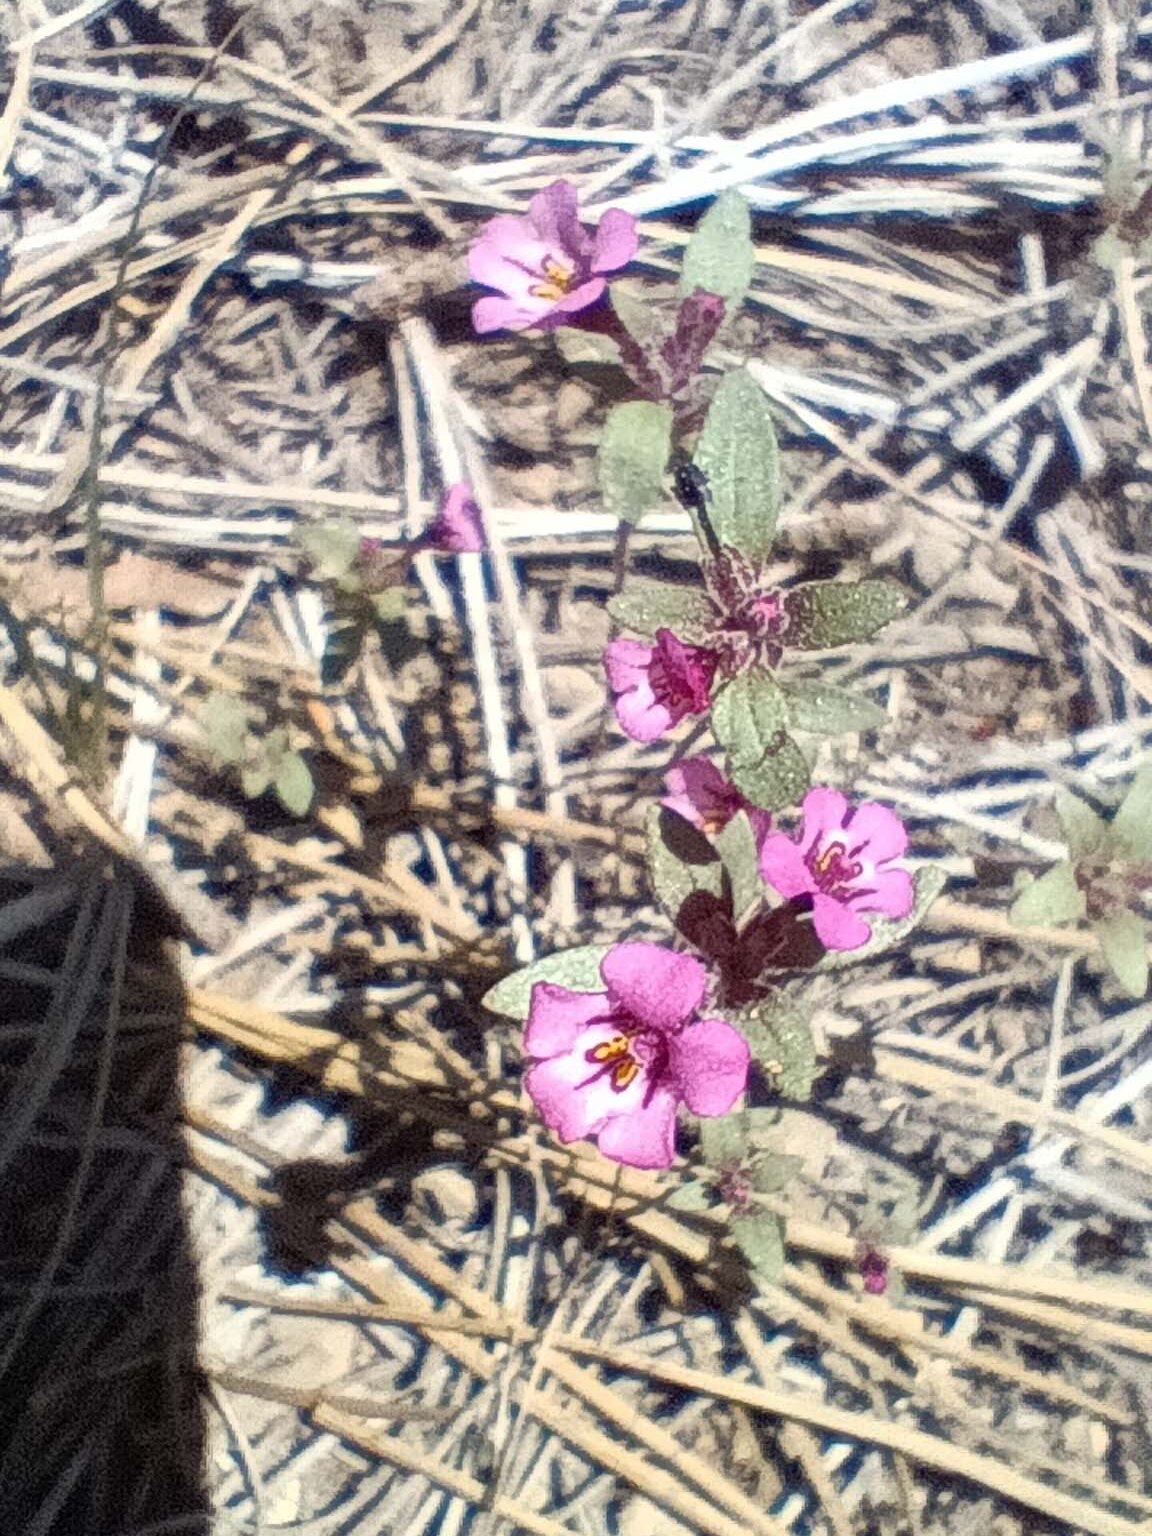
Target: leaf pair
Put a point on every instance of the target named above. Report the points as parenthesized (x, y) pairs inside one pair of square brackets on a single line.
[(265, 762), (752, 717), (736, 453), (1108, 869), (274, 764), (637, 439)]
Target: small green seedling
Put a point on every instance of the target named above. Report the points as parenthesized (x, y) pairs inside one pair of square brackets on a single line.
[(265, 762), (1105, 880)]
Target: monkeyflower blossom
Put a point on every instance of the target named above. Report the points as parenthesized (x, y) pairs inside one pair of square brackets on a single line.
[(699, 792), (844, 860), (546, 267), (457, 528), (656, 686), (615, 1066)]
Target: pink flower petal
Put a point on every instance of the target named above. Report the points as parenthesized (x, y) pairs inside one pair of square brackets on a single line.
[(495, 314), (554, 216), (783, 867), (616, 241), (646, 1138), (575, 1097), (580, 298), (508, 256), (837, 926), (700, 793), (458, 528), (878, 833), (641, 717), (553, 1086), (626, 662), (654, 986), (761, 824), (709, 1061), (891, 893), (557, 1018), (824, 811)]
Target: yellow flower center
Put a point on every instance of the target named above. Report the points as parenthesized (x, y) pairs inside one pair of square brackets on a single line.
[(558, 281), (616, 1053)]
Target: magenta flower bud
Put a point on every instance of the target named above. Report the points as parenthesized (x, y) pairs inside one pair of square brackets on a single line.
[(700, 793), (457, 528), (656, 686), (872, 1266)]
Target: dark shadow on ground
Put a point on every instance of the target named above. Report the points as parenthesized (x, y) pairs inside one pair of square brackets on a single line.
[(101, 1424)]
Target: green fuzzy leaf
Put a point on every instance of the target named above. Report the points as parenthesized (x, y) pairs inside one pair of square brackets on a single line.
[(1052, 899), (1084, 831), (696, 1195), (761, 1240), (647, 606), (829, 711), (1124, 941), (224, 721), (737, 452), (761, 1119), (929, 881), (736, 845), (586, 347), (720, 256), (681, 860), (254, 781), (1132, 823), (332, 547), (633, 456), (749, 714), (825, 614), (577, 969), (778, 780), (723, 1139), (389, 606), (749, 720), (780, 1039), (275, 746), (772, 1173), (293, 784)]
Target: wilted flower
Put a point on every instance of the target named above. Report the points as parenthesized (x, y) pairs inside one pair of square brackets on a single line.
[(616, 1065), (547, 266), (872, 1266), (457, 528), (700, 793), (844, 860), (656, 686)]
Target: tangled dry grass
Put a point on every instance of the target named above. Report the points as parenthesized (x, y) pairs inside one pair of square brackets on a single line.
[(281, 1248)]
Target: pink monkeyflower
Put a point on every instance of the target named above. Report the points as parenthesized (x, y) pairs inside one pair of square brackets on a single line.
[(844, 860), (546, 266), (457, 528), (700, 793), (655, 686), (616, 1065)]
